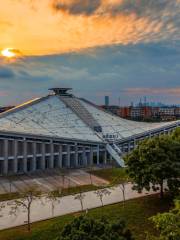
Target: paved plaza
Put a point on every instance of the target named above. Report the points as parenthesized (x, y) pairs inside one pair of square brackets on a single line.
[(49, 180)]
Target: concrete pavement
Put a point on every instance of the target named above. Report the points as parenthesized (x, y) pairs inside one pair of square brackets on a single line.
[(67, 205)]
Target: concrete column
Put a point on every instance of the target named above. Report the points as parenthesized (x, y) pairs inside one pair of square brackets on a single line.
[(129, 147), (43, 156), (76, 155), (68, 156), (84, 157), (52, 155), (25, 156), (15, 156), (98, 155), (91, 156), (34, 157), (60, 156), (5, 156), (111, 159), (105, 157)]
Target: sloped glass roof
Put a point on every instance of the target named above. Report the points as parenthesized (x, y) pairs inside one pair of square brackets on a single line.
[(50, 116), (119, 127)]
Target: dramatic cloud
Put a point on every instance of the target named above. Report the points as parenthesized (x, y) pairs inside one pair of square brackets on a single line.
[(16, 51), (6, 73), (87, 7), (138, 7), (126, 48), (57, 26), (113, 7), (127, 72)]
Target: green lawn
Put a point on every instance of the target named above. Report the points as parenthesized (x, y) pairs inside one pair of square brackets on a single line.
[(136, 213), (113, 175), (8, 196), (78, 189)]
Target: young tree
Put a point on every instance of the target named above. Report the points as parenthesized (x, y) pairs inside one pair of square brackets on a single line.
[(101, 193), (121, 184), (154, 162), (54, 197), (87, 228), (63, 176), (122, 187), (2, 206), (90, 173), (168, 223), (63, 179), (10, 179), (80, 196), (26, 198), (69, 184)]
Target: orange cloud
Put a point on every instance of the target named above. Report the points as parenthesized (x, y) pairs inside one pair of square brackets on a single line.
[(40, 27), (83, 7)]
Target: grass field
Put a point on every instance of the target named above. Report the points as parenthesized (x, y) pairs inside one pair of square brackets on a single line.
[(78, 189), (135, 212), (113, 175), (8, 196)]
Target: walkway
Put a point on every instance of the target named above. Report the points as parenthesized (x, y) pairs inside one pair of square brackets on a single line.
[(67, 205)]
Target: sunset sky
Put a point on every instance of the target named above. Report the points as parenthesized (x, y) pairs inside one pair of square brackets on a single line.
[(122, 48)]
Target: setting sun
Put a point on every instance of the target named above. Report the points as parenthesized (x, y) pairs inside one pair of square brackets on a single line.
[(8, 52)]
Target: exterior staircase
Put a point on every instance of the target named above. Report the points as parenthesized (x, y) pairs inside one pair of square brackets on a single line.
[(115, 152), (75, 105)]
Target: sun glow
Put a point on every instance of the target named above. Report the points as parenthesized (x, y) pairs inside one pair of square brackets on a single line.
[(8, 52)]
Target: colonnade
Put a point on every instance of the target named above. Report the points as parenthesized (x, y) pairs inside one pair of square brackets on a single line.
[(22, 156)]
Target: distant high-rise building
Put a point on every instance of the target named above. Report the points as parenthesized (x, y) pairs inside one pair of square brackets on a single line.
[(106, 100)]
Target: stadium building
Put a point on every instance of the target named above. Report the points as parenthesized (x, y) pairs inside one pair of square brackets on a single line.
[(63, 131)]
